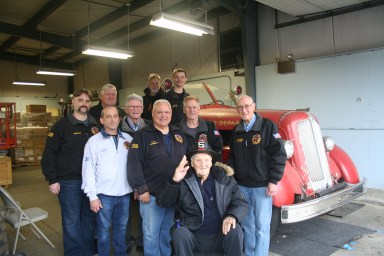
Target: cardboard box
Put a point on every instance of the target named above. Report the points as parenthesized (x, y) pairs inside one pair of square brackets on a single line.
[(5, 170), (36, 108), (41, 117)]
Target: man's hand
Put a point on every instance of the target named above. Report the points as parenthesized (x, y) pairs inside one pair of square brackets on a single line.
[(228, 222), (55, 188), (96, 205), (181, 170), (145, 197), (271, 190), (135, 195)]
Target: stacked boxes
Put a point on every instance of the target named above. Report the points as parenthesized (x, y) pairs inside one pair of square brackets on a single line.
[(30, 145), (37, 119), (31, 132), (5, 170), (36, 115), (36, 108)]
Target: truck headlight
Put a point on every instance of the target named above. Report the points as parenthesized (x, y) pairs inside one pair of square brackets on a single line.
[(288, 145), (329, 144)]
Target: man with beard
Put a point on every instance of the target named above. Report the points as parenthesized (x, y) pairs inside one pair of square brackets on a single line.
[(61, 164), (152, 93)]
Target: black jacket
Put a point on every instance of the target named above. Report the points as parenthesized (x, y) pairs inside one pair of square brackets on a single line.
[(208, 130), (64, 148), (187, 197), (176, 104), (258, 156), (148, 101), (149, 164), (95, 111)]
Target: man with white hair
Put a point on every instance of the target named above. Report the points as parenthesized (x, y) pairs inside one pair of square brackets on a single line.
[(209, 203), (133, 122), (258, 156), (108, 97), (130, 124)]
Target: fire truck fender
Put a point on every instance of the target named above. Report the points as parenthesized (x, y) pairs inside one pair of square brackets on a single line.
[(347, 168), (286, 190)]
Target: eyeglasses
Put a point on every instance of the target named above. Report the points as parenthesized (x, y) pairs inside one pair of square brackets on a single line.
[(134, 107), (244, 107)]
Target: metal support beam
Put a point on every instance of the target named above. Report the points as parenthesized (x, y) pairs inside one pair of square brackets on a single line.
[(249, 25)]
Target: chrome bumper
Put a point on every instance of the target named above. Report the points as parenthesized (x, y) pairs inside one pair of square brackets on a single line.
[(306, 210)]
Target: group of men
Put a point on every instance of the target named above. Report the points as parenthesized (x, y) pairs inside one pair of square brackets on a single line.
[(102, 163)]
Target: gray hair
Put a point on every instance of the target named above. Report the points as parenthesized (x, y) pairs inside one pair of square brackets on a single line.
[(161, 101), (133, 96), (244, 97), (107, 87)]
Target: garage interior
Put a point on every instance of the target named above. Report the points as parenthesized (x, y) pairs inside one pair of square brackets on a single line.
[(336, 48)]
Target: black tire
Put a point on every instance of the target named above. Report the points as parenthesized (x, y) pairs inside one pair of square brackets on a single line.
[(275, 220)]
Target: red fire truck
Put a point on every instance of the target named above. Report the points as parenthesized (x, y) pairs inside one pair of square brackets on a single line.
[(319, 176)]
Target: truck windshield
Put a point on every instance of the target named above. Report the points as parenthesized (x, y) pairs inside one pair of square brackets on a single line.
[(220, 94)]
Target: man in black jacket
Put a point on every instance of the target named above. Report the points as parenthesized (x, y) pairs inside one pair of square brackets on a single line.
[(176, 95), (195, 128), (152, 93), (209, 203), (61, 164), (156, 150), (258, 156), (108, 97)]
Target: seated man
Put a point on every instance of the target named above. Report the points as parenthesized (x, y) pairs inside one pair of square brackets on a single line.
[(209, 203)]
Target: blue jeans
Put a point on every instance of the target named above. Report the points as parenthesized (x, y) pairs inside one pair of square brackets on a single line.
[(78, 221), (157, 223), (257, 223), (114, 214)]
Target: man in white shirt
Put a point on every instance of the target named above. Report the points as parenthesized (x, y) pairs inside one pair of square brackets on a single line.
[(105, 181)]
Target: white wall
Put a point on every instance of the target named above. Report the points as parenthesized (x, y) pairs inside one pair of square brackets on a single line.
[(354, 31), (345, 93)]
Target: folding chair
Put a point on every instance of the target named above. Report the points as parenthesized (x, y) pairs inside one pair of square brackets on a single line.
[(18, 217)]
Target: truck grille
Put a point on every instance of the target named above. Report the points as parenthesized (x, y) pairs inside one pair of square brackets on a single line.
[(316, 162)]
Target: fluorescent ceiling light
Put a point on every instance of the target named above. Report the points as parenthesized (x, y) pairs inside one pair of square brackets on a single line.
[(19, 82), (108, 52), (56, 72), (169, 21)]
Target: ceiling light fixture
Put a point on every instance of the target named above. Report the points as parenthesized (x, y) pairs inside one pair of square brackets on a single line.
[(107, 52), (180, 24), (20, 82), (104, 51), (56, 72), (25, 82)]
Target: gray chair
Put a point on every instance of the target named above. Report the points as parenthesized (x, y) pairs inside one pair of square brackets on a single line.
[(18, 217)]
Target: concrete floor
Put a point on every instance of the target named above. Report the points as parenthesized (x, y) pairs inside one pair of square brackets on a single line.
[(30, 189)]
